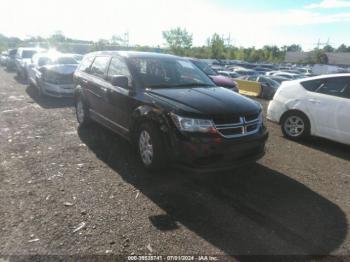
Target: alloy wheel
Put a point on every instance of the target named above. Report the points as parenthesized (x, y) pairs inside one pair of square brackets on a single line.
[(294, 126), (146, 147), (80, 111)]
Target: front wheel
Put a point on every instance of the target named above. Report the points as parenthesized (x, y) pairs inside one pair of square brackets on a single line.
[(295, 126), (39, 90), (151, 147)]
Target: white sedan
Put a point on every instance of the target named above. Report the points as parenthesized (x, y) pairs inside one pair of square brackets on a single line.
[(318, 106)]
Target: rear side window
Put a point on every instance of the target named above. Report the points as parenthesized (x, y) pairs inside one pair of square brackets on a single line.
[(252, 78), (99, 66), (86, 63), (335, 86), (312, 85)]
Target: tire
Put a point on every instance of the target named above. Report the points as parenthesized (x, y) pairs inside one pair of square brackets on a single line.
[(262, 93), (295, 125), (31, 84), (39, 91), (157, 158), (82, 111)]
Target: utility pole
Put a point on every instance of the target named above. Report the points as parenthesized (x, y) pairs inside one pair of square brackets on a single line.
[(319, 43)]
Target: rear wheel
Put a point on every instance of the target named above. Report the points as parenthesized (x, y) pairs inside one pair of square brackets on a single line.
[(151, 147), (82, 111), (295, 125)]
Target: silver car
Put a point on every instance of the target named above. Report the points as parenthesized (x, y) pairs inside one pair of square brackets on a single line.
[(52, 74)]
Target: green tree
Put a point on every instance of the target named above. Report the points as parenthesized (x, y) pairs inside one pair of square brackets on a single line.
[(342, 48), (178, 40), (217, 46), (328, 48), (58, 36), (292, 48)]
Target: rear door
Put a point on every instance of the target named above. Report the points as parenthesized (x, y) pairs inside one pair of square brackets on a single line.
[(95, 83), (82, 75)]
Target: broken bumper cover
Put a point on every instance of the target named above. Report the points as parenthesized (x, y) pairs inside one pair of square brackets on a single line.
[(206, 155), (58, 90)]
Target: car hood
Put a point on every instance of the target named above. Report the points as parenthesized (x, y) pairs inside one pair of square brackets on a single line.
[(210, 101), (61, 69), (223, 81)]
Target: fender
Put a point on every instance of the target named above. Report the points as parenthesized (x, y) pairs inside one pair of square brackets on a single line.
[(79, 90), (299, 105), (149, 113)]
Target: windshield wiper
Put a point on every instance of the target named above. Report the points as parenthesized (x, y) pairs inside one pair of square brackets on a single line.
[(193, 84), (180, 85)]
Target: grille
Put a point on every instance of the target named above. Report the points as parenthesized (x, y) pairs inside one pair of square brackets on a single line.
[(64, 79), (222, 120), (238, 126), (60, 79), (251, 117)]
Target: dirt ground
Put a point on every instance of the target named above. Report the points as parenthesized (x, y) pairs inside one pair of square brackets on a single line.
[(66, 191)]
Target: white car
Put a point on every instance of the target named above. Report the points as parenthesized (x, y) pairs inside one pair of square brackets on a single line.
[(318, 106), (288, 75)]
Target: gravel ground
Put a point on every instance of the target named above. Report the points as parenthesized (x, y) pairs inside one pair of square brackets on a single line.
[(66, 191)]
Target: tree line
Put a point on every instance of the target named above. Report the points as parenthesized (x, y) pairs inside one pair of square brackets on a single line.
[(178, 41)]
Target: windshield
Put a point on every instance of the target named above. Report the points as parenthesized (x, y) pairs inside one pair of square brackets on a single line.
[(65, 61), (204, 67), (160, 72), (28, 53), (78, 57), (270, 81)]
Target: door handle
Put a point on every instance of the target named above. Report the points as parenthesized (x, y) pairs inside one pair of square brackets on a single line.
[(314, 101)]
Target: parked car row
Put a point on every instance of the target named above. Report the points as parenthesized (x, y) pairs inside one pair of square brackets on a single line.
[(8, 58), (267, 85), (179, 110), (49, 71)]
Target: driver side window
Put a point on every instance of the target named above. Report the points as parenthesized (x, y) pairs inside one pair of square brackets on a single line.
[(118, 67)]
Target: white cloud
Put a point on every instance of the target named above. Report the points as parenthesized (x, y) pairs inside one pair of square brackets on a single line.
[(330, 4), (145, 21)]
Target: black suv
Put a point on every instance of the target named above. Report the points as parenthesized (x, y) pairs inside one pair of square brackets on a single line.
[(169, 109)]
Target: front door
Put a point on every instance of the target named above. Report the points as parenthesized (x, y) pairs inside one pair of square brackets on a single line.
[(343, 117), (324, 104), (120, 100)]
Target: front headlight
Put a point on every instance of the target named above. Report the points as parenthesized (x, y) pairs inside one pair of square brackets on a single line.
[(193, 125), (261, 118)]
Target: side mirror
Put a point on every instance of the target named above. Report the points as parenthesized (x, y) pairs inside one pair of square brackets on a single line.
[(120, 80)]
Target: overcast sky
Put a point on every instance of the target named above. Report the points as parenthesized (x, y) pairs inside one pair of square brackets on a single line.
[(248, 23)]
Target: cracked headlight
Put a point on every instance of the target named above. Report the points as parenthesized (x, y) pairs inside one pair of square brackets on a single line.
[(192, 124)]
